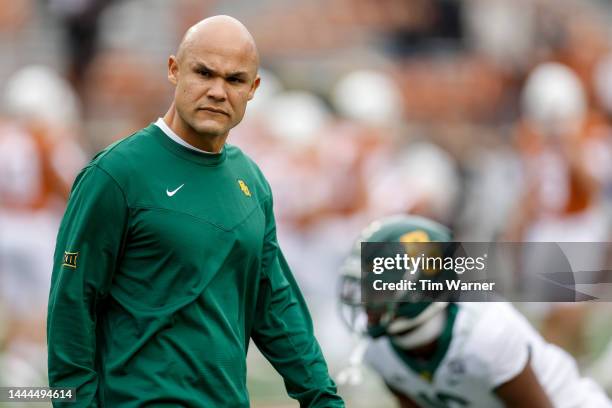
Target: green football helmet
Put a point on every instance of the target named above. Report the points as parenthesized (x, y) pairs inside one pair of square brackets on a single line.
[(404, 313)]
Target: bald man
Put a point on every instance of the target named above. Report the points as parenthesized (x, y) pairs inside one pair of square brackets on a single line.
[(167, 263)]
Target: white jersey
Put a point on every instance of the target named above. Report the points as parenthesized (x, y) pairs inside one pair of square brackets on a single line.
[(490, 344)]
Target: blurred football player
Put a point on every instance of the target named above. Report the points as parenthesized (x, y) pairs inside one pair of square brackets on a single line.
[(40, 155), (448, 354), (562, 199)]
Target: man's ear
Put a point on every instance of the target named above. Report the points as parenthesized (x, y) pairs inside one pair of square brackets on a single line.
[(254, 87), (173, 70)]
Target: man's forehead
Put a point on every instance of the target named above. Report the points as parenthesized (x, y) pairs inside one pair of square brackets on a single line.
[(219, 36), (223, 61)]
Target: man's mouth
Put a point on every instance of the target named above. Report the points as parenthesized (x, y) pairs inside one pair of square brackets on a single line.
[(214, 110)]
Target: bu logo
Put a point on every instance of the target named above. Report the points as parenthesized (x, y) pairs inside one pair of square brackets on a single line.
[(70, 259), (244, 188)]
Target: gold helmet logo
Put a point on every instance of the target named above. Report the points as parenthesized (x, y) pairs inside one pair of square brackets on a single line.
[(415, 236), (418, 243)]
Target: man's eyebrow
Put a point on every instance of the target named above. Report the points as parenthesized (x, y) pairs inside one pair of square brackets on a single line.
[(201, 65)]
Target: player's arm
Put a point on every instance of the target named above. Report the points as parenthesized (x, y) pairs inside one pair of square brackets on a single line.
[(524, 390), (403, 400), (502, 343), (88, 246), (283, 329)]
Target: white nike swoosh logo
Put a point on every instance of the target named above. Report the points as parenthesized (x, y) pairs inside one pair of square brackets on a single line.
[(171, 193)]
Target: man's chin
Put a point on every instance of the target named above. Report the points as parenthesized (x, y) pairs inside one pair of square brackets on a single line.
[(210, 130)]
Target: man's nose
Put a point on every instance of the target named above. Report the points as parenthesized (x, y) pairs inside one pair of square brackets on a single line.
[(216, 91)]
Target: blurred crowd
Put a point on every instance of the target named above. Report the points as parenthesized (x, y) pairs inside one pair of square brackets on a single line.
[(491, 116)]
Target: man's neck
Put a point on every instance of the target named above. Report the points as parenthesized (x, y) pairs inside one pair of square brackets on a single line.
[(424, 352), (212, 144)]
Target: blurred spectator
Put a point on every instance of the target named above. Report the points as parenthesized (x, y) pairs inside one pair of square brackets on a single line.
[(80, 20), (14, 15), (122, 93)]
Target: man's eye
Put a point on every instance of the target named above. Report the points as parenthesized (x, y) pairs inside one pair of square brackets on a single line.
[(235, 80), (204, 73)]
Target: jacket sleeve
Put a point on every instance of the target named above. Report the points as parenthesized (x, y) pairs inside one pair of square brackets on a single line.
[(88, 246), (283, 329)]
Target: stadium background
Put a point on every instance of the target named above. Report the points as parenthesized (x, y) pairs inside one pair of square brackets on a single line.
[(366, 108)]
